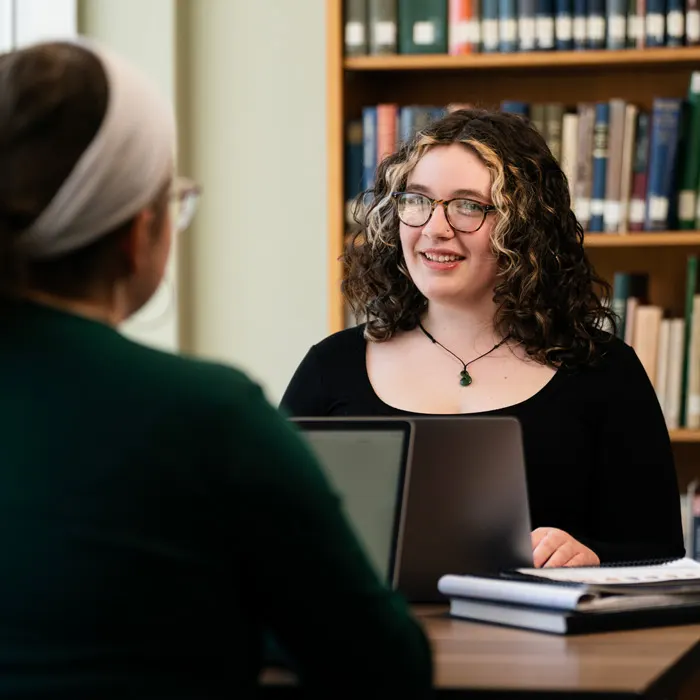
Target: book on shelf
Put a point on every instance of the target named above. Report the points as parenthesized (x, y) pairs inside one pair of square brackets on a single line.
[(356, 28), (690, 514), (630, 169), (459, 27), (580, 599), (382, 27), (422, 26), (667, 346)]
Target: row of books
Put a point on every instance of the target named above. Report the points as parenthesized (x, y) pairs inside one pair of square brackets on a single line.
[(629, 169), (385, 27), (668, 348)]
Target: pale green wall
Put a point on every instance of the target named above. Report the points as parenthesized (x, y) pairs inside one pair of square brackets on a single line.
[(145, 31), (249, 80)]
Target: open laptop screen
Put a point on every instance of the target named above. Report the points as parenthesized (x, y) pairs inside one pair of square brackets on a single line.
[(366, 464)]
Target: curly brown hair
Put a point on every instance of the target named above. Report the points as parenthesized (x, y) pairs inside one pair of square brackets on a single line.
[(548, 296)]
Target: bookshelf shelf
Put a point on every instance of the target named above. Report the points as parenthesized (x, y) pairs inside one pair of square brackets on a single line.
[(628, 58), (684, 435), (659, 239), (642, 240)]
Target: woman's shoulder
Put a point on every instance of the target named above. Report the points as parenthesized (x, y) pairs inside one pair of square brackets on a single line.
[(341, 346), (182, 379), (612, 371), (612, 351), (611, 358)]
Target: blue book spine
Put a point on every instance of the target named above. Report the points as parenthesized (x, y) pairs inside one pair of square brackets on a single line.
[(675, 22), (407, 123), (423, 118), (489, 26), (507, 26), (369, 144), (663, 152), (601, 130), (564, 25), (526, 25), (655, 25), (544, 25), (515, 107), (596, 25), (580, 24)]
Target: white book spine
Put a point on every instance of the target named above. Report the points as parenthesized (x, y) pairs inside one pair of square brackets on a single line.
[(662, 363), (674, 379)]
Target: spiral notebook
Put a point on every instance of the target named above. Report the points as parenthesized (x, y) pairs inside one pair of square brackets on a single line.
[(675, 575)]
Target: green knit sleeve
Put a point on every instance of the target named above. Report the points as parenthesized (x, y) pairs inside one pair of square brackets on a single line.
[(317, 590)]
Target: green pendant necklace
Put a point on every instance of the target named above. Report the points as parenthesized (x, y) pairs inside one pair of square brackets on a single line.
[(465, 379)]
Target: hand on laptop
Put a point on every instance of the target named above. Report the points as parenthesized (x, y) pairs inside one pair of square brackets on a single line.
[(553, 547)]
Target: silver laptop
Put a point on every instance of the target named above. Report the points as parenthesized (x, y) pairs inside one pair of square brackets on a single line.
[(464, 507), (467, 508)]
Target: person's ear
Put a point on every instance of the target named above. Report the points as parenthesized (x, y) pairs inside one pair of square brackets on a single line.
[(137, 243)]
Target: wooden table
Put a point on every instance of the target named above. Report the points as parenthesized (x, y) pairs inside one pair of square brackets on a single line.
[(485, 661)]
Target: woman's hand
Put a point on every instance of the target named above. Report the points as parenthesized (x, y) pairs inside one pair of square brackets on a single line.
[(552, 547)]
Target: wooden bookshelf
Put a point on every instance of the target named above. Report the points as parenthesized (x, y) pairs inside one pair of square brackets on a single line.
[(682, 435), (569, 77), (335, 136), (560, 60), (664, 239)]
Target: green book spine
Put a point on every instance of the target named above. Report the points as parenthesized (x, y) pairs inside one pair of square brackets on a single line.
[(691, 283), (618, 303), (422, 26), (690, 172), (538, 118)]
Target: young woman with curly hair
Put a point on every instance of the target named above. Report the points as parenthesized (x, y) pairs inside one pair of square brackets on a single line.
[(479, 299)]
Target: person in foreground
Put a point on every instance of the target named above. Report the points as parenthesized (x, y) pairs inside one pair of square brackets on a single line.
[(157, 515), (479, 299)]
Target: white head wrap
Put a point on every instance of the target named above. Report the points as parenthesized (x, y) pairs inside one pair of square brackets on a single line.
[(120, 172)]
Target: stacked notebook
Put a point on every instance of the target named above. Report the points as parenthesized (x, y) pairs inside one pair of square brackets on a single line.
[(582, 599)]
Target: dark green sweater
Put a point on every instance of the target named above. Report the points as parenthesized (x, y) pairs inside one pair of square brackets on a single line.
[(157, 516)]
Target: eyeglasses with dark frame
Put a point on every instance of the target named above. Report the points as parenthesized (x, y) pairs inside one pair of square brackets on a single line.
[(184, 197), (462, 214)]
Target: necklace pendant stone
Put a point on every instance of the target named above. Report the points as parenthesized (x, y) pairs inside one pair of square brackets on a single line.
[(465, 378)]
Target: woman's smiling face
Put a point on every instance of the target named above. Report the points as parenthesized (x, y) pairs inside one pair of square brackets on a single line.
[(447, 265)]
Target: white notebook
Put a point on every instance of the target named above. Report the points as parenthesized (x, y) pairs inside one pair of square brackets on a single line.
[(677, 571)]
